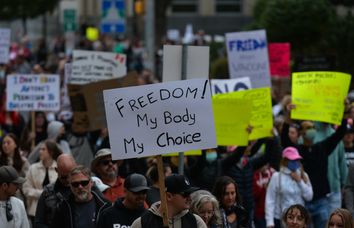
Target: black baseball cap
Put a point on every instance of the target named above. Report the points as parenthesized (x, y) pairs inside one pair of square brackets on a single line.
[(177, 183), (8, 174), (136, 183)]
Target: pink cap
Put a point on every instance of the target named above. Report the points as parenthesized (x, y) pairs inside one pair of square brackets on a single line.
[(291, 153)]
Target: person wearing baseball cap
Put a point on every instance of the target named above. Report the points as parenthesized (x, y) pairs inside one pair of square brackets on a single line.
[(126, 210), (107, 170), (178, 190), (291, 185), (12, 210)]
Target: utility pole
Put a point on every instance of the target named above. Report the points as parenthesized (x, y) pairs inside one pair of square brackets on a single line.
[(150, 34)]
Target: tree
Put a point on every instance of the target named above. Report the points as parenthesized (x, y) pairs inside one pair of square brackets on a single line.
[(303, 23), (24, 9)]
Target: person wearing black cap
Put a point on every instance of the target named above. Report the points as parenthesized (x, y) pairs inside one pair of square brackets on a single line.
[(126, 210), (12, 209), (178, 190)]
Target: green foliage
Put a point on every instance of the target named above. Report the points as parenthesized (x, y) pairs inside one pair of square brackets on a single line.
[(23, 9), (303, 23), (219, 69)]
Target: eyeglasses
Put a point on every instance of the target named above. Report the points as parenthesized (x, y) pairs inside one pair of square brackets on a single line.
[(106, 162), (9, 215), (78, 183)]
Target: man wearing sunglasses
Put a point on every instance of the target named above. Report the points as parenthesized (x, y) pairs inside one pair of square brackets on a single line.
[(12, 210), (54, 194), (126, 210), (83, 207), (107, 170), (178, 190)]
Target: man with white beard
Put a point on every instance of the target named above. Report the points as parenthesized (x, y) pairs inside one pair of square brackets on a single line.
[(83, 207)]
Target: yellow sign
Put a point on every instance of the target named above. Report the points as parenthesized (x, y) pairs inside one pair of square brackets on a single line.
[(187, 153), (231, 117), (92, 34), (319, 96)]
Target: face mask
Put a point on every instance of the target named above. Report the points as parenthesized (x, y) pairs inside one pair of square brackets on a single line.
[(293, 165), (310, 134), (211, 156)]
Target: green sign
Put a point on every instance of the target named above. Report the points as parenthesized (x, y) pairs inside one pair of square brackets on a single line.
[(70, 20)]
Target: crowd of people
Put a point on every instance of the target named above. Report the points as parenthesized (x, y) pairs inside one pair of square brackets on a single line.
[(53, 176)]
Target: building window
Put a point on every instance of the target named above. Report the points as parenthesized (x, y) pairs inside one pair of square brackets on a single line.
[(184, 6), (228, 6)]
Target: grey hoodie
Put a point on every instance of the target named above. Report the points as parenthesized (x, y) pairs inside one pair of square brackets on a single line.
[(174, 222), (53, 131)]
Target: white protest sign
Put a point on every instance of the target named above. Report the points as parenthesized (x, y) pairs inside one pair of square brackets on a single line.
[(230, 85), (248, 57), (4, 45), (160, 118), (93, 66), (32, 92), (197, 62)]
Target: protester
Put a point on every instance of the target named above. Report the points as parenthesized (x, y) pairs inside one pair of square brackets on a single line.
[(291, 185), (12, 209), (83, 207), (178, 190), (206, 206), (41, 174), (107, 171), (261, 180), (340, 218), (153, 194), (315, 162), (348, 141), (126, 210), (55, 193), (56, 132), (231, 210), (11, 155), (349, 191), (39, 135), (296, 216)]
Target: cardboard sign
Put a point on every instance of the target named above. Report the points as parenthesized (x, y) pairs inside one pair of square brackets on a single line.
[(248, 57), (196, 59), (32, 92), (4, 45), (93, 66), (160, 118), (319, 96), (279, 59), (87, 102), (229, 85), (230, 122)]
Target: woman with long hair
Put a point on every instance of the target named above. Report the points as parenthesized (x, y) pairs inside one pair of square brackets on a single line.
[(206, 206), (233, 215), (11, 155), (40, 174), (340, 218), (291, 185)]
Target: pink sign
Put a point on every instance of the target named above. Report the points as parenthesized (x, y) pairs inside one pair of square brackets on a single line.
[(279, 59)]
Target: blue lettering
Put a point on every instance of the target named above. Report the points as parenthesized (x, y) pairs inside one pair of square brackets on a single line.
[(247, 45)]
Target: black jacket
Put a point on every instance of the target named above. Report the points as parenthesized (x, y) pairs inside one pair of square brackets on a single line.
[(119, 216), (64, 216), (52, 196)]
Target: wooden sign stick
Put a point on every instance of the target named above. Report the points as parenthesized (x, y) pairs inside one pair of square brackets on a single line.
[(162, 188)]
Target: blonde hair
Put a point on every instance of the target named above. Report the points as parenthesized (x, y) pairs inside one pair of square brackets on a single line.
[(345, 215)]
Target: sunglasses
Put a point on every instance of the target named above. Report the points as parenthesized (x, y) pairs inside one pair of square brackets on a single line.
[(78, 183), (106, 162), (9, 215)]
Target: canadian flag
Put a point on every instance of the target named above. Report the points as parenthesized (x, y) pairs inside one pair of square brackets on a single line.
[(120, 58)]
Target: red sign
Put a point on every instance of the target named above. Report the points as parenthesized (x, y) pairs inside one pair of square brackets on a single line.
[(279, 59)]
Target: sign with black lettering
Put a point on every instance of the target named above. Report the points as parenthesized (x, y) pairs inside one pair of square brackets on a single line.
[(93, 66), (247, 54), (160, 118), (230, 85), (32, 92)]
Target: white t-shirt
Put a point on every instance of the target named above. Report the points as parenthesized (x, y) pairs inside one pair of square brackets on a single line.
[(19, 214)]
